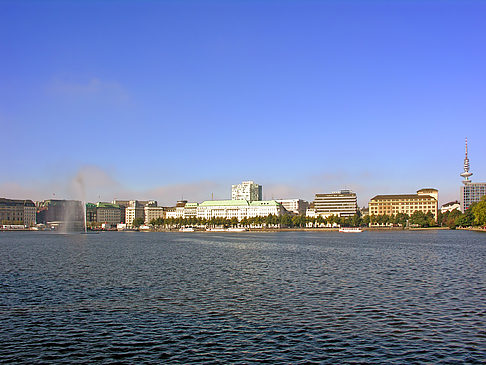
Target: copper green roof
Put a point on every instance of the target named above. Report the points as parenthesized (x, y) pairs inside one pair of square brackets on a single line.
[(107, 205), (191, 205)]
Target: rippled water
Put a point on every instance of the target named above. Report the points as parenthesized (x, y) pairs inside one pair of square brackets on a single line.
[(297, 297)]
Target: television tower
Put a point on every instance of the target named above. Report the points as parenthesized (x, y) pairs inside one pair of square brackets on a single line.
[(466, 174)]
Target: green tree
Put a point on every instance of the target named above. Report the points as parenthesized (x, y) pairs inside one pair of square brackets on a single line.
[(479, 212), (137, 222)]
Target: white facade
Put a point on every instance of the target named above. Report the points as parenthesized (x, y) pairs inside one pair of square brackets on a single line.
[(131, 213), (247, 190), (239, 209), (449, 207), (295, 206)]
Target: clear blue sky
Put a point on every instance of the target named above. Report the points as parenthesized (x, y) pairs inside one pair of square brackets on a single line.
[(153, 99)]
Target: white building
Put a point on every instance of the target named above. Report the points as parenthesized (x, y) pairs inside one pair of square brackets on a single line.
[(247, 190), (295, 206), (449, 207), (190, 210), (341, 203), (133, 212), (239, 209)]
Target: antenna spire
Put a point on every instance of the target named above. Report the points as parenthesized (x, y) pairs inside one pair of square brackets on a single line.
[(466, 174)]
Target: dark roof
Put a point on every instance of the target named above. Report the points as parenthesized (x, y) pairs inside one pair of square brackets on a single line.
[(5, 201), (400, 196)]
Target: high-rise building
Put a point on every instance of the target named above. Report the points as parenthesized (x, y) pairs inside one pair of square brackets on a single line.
[(247, 190), (470, 192), (341, 203)]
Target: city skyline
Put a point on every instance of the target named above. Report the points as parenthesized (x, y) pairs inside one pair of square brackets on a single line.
[(162, 100)]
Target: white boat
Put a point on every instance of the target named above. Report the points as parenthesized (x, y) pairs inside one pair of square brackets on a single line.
[(350, 230), (186, 229), (237, 229)]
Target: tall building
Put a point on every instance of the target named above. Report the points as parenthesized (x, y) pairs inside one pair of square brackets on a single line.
[(17, 212), (247, 190), (470, 192), (426, 200), (341, 203)]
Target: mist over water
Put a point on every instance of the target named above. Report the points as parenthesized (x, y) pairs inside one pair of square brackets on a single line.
[(382, 297)]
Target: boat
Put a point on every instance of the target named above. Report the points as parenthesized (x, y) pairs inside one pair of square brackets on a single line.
[(237, 229), (350, 230), (186, 229)]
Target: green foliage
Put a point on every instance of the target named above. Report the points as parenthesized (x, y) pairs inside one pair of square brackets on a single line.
[(479, 212), (137, 222)]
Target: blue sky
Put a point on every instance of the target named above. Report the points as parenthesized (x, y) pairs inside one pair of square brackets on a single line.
[(159, 100)]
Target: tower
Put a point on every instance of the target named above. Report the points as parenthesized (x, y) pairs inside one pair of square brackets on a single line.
[(466, 174)]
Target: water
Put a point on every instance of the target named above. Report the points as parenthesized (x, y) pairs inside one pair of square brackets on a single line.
[(388, 297)]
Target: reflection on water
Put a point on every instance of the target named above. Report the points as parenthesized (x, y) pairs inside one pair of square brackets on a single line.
[(283, 297)]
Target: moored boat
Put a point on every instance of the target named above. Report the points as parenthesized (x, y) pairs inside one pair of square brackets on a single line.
[(350, 230)]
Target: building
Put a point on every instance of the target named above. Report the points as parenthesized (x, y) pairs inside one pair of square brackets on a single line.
[(91, 213), (108, 213), (190, 210), (294, 206), (68, 214), (449, 207), (470, 192), (311, 211), (177, 211), (123, 204), (426, 200), (239, 209), (151, 213), (247, 190), (17, 212), (341, 203), (134, 210)]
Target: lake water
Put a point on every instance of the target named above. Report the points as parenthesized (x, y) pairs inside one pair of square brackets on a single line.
[(297, 297)]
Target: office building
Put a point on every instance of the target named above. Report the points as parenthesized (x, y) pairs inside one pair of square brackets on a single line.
[(426, 200), (247, 190), (341, 203), (470, 192)]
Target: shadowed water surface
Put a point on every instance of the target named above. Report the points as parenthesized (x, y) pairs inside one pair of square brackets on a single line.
[(295, 297)]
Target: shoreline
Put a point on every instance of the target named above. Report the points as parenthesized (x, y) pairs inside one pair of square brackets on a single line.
[(275, 230)]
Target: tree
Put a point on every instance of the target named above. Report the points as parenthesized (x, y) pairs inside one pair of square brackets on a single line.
[(479, 212), (137, 222)]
